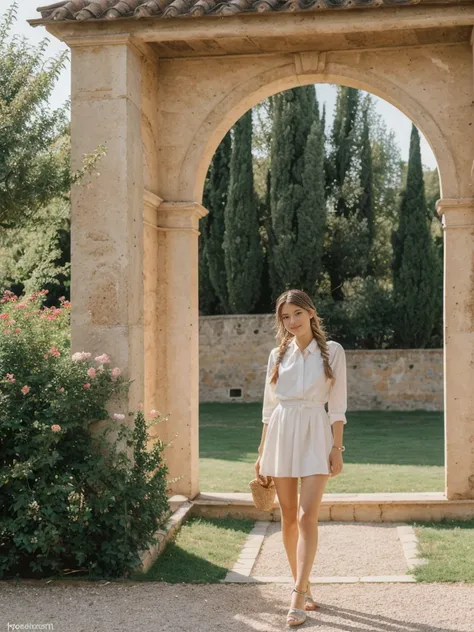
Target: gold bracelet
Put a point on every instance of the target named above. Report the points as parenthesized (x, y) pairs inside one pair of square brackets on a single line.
[(341, 449)]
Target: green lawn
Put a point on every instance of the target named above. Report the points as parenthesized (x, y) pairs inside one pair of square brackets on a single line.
[(449, 548), (386, 451), (203, 551)]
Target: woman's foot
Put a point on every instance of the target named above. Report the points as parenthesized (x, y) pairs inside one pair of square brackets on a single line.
[(296, 614), (309, 602)]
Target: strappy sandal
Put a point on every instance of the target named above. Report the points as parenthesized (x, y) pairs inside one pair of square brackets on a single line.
[(296, 616), (309, 602)]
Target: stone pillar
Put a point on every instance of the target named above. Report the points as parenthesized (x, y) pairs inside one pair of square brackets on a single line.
[(178, 339), (458, 226), (107, 289)]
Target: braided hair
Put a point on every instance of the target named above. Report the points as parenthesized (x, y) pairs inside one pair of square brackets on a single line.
[(284, 337)]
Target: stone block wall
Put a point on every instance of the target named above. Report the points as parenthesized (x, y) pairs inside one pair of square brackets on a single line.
[(233, 354)]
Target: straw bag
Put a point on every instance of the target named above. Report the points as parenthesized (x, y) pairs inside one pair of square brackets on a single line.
[(263, 495)]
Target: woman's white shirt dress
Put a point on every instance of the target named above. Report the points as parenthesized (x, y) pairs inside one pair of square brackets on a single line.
[(299, 435)]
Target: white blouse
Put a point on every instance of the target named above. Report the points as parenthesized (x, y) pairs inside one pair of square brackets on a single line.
[(301, 376)]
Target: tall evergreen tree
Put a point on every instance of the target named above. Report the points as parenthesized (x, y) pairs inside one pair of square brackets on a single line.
[(415, 264), (366, 201), (243, 253), (312, 212), (345, 255), (343, 140), (294, 113), (216, 201), (208, 301)]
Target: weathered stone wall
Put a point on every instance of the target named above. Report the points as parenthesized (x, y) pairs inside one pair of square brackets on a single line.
[(233, 353)]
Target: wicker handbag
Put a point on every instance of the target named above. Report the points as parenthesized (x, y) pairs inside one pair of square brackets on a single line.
[(263, 495)]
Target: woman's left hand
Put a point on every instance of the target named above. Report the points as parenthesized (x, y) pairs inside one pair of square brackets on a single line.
[(335, 462)]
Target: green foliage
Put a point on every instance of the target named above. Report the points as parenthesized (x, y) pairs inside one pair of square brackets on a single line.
[(213, 225), (415, 263), (69, 497), (296, 195), (34, 140), (242, 248)]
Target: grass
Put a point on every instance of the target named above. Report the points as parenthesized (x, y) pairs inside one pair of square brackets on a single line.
[(449, 548), (202, 552), (386, 451)]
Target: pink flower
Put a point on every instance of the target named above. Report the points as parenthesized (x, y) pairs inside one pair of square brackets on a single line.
[(119, 416), (54, 351), (116, 372), (25, 390), (91, 373), (46, 356), (10, 377), (55, 427), (140, 406), (87, 385), (50, 317), (80, 356), (154, 413), (7, 331), (20, 306), (4, 316), (17, 330), (67, 304), (102, 359), (61, 390)]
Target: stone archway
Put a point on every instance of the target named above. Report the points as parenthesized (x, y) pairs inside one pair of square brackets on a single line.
[(162, 94)]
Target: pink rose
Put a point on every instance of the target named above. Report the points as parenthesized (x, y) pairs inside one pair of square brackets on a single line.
[(87, 385), (25, 390), (116, 372), (119, 416), (154, 413), (55, 427), (91, 372)]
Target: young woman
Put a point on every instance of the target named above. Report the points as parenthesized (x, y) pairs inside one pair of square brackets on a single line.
[(299, 438)]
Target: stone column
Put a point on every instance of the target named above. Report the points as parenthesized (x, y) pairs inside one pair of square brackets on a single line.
[(458, 226), (178, 339), (107, 288)]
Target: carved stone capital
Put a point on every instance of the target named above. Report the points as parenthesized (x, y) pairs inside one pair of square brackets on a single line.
[(456, 212)]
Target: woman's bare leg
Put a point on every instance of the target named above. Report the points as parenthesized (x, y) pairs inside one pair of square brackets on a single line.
[(287, 492), (311, 494)]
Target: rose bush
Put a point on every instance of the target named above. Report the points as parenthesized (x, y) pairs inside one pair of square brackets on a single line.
[(70, 499)]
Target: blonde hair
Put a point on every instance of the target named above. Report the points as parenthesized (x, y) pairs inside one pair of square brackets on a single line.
[(284, 337)]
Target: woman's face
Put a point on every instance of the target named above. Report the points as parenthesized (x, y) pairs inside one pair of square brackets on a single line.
[(296, 319)]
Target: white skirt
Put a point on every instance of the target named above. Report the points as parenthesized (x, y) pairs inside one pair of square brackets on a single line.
[(298, 440)]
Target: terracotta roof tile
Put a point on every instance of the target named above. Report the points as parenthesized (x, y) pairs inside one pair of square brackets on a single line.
[(82, 10)]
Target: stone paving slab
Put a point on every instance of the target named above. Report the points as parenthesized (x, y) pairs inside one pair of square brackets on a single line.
[(161, 607), (344, 549)]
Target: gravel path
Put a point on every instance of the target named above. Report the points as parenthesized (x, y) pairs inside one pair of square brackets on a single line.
[(158, 607), (344, 549)]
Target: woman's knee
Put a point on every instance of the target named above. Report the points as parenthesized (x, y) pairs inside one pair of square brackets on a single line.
[(289, 516), (308, 520)]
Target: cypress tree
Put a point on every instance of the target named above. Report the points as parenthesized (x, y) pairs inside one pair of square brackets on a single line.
[(343, 144), (208, 300), (243, 254), (415, 265), (312, 212), (219, 180), (294, 112), (366, 202)]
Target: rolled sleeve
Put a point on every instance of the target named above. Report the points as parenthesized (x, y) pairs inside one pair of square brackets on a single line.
[(337, 402), (270, 400)]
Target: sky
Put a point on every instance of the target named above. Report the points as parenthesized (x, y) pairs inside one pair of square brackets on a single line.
[(326, 93)]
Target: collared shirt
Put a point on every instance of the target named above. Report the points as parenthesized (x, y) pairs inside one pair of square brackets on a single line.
[(301, 376)]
